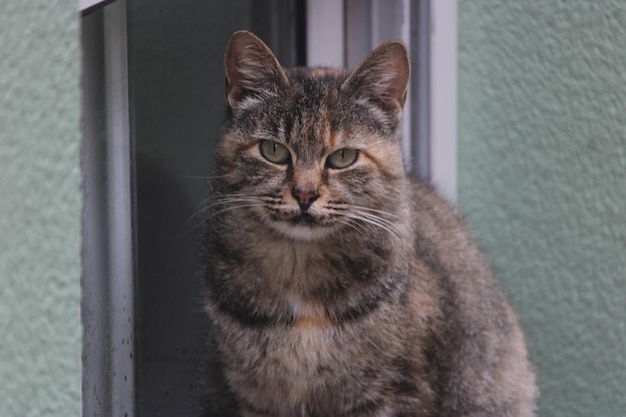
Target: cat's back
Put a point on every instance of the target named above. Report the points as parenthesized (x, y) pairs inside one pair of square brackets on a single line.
[(478, 334)]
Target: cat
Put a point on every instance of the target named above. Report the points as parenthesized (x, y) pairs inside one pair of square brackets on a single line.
[(336, 285)]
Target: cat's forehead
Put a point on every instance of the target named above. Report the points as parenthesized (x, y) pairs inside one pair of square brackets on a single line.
[(321, 77), (311, 112), (312, 88)]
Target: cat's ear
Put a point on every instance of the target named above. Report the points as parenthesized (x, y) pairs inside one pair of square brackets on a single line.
[(252, 70), (381, 80)]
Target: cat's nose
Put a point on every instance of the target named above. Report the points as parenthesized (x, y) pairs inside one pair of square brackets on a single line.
[(305, 198)]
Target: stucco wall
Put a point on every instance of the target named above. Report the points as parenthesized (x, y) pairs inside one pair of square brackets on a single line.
[(542, 178), (39, 209)]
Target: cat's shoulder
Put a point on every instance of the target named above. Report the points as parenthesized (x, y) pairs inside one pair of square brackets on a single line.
[(434, 215), (427, 199)]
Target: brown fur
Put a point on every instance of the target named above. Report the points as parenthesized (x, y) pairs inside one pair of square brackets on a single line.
[(366, 298)]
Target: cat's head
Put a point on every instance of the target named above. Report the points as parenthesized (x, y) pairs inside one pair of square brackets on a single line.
[(312, 152)]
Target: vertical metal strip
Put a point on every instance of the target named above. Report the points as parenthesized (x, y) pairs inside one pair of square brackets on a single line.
[(407, 122), (95, 273), (120, 211), (443, 98), (107, 251), (358, 28), (325, 33), (420, 88)]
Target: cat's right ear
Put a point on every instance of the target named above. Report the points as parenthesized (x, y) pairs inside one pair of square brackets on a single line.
[(252, 71), (381, 80)]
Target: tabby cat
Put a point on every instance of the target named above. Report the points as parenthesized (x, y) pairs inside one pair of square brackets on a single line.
[(336, 285)]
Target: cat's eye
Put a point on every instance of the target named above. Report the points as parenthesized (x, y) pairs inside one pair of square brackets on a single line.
[(274, 152), (342, 158)]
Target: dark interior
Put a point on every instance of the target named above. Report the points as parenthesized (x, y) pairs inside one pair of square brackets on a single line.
[(176, 87)]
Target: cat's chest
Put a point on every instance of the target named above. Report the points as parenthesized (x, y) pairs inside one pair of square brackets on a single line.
[(292, 360), (309, 342), (304, 355), (290, 267)]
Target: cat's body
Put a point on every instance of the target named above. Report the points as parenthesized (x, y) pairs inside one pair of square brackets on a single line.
[(336, 285)]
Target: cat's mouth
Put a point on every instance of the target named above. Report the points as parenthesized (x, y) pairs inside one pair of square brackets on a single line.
[(304, 219), (303, 226)]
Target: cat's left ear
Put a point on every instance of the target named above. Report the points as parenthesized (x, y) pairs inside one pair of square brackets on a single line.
[(382, 79), (252, 70)]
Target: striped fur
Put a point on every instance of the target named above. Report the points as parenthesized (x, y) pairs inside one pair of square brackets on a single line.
[(369, 300)]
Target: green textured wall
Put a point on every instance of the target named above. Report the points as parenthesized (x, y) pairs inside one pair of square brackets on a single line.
[(40, 333), (542, 177)]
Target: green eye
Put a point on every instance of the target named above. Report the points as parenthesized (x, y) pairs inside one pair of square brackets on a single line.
[(342, 158), (274, 152)]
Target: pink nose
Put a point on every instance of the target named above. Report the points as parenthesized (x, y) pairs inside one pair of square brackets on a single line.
[(305, 198)]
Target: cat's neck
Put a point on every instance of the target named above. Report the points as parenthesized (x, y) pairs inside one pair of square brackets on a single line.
[(298, 267)]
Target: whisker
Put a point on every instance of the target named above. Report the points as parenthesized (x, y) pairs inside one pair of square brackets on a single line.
[(375, 220), (238, 200), (185, 230), (379, 220), (372, 210), (354, 226), (201, 177), (208, 204), (342, 206), (243, 206)]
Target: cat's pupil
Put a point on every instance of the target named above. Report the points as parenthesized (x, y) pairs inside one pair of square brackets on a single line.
[(342, 158), (274, 152)]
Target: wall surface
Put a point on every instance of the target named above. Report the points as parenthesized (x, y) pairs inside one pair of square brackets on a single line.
[(40, 333), (542, 178)]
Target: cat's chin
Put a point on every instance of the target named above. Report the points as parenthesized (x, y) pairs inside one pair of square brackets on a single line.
[(302, 232)]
